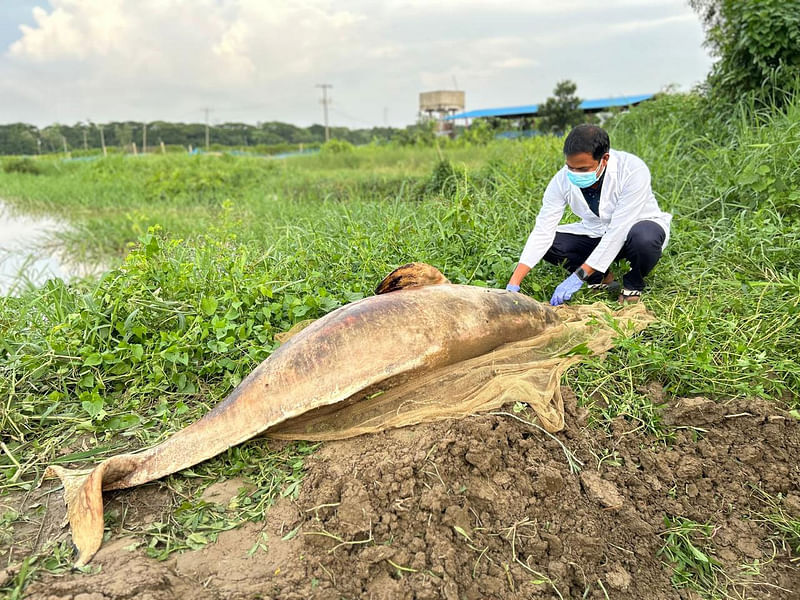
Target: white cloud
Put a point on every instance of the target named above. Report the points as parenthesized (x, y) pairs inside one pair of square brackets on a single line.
[(202, 41), (73, 29), (259, 60)]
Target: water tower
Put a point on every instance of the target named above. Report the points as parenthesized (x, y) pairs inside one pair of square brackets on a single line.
[(440, 104)]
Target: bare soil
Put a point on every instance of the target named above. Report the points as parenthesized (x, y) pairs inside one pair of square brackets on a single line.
[(487, 507)]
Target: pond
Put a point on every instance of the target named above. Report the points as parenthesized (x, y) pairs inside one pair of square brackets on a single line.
[(30, 253)]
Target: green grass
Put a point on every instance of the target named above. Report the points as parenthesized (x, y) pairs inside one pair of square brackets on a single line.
[(786, 527), (214, 255), (687, 549)]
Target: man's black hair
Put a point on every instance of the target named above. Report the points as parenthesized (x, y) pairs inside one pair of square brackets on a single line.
[(587, 138)]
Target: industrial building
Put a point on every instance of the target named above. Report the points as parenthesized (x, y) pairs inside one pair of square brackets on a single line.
[(530, 110)]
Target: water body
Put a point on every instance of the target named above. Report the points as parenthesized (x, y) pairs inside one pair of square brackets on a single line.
[(29, 254)]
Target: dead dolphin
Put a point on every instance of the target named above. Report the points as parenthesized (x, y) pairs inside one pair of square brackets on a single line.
[(418, 322)]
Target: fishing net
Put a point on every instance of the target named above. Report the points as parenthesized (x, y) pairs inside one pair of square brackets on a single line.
[(527, 371)]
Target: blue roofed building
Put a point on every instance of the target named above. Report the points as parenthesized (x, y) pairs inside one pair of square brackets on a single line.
[(529, 110)]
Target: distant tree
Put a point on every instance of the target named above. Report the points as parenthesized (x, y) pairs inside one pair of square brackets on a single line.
[(423, 133), (560, 112), (123, 133), (496, 123), (526, 123), (757, 45), (479, 133), (317, 132), (52, 140), (20, 138)]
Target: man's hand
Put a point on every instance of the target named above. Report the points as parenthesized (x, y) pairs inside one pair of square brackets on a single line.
[(512, 288), (566, 289)]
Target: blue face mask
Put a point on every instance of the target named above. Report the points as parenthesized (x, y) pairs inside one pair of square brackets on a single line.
[(584, 180)]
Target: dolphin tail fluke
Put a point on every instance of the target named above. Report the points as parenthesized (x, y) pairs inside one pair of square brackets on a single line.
[(83, 494)]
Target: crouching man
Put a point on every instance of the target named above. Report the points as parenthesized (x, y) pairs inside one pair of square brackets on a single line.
[(620, 218)]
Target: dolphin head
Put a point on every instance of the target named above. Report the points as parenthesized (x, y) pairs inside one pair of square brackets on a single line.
[(411, 275)]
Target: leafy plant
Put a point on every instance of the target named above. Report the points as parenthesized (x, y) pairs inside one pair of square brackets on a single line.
[(337, 147), (21, 165), (687, 550), (481, 132), (756, 46)]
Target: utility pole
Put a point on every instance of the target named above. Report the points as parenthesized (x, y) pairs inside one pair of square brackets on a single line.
[(325, 101), (103, 141), (144, 138), (206, 110), (85, 143)]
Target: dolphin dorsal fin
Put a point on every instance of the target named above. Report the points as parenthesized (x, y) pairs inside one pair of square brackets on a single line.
[(411, 275)]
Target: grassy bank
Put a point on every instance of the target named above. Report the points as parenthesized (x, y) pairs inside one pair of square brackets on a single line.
[(231, 250)]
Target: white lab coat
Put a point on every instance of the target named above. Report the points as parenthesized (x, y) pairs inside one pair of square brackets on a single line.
[(625, 199)]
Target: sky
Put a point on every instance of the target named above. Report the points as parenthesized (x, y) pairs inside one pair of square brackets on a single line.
[(251, 61)]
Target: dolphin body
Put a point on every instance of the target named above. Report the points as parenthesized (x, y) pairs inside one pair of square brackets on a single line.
[(417, 322)]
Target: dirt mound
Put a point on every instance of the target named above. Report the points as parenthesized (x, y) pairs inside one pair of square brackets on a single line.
[(487, 507)]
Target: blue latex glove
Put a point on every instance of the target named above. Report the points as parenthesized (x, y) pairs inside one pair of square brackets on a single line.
[(566, 289), (512, 288)]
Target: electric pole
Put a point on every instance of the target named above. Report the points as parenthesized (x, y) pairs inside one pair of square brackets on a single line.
[(85, 143), (103, 141), (325, 101), (144, 138), (206, 111)]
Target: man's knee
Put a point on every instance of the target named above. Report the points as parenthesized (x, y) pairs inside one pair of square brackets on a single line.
[(645, 236)]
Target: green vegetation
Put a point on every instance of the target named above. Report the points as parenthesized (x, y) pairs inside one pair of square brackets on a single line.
[(756, 46), (786, 527), (559, 113), (687, 550), (87, 138), (214, 255), (21, 165)]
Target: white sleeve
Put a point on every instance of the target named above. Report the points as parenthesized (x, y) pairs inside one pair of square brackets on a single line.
[(544, 231), (634, 195)]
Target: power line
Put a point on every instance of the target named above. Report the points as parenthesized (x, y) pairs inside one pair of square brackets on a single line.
[(325, 101)]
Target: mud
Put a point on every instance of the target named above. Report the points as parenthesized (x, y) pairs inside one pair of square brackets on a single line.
[(487, 507)]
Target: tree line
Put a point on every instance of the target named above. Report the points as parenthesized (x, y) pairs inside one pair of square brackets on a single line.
[(23, 138)]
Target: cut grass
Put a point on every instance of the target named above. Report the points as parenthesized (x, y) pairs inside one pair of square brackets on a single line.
[(785, 526)]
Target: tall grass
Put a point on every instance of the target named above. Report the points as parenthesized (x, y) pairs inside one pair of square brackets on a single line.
[(246, 247), (330, 226)]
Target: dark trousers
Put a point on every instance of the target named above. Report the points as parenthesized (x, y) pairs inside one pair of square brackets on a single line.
[(642, 249)]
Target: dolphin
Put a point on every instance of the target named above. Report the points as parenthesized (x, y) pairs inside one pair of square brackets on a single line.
[(417, 322)]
